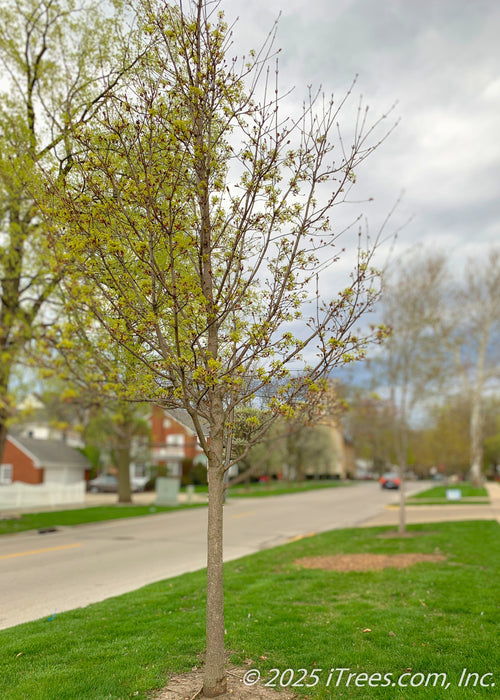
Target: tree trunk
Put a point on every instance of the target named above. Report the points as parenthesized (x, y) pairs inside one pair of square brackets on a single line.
[(402, 457), (4, 406), (123, 464), (3, 433), (214, 682), (476, 443), (402, 504)]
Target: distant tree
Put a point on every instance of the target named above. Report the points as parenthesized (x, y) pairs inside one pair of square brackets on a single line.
[(469, 328), (98, 379), (255, 458), (445, 439), (292, 448), (445, 332), (312, 451), (369, 421), (202, 218), (115, 429), (58, 63), (47, 405), (412, 362), (492, 444)]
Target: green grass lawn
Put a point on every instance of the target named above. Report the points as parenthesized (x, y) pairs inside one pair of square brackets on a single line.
[(437, 494), (446, 502), (430, 618), (78, 516), (278, 488)]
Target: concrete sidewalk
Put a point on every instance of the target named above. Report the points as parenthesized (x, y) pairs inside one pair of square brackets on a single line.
[(143, 498), (442, 513)]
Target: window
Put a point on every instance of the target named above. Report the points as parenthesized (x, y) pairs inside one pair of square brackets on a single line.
[(6, 474), (177, 440)]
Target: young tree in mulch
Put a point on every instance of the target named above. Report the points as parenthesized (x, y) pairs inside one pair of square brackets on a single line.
[(199, 232)]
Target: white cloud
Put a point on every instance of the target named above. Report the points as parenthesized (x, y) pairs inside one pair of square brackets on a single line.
[(440, 61)]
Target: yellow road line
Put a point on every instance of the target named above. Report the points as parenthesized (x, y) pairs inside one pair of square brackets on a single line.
[(301, 537), (40, 551), (242, 515)]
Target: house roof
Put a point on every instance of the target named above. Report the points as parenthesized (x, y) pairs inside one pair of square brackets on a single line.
[(50, 453), (182, 416)]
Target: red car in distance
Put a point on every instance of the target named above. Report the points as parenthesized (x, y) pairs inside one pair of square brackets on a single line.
[(390, 481)]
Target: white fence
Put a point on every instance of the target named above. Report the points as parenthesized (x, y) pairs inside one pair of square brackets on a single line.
[(19, 495)]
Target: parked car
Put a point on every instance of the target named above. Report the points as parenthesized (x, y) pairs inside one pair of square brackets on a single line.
[(390, 481), (108, 483), (105, 483)]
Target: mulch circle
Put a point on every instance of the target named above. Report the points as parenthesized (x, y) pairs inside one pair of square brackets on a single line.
[(366, 562), (187, 686)]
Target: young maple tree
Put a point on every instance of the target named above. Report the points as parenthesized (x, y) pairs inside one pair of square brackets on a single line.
[(198, 231)]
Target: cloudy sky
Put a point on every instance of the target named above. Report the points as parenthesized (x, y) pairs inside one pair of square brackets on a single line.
[(440, 61)]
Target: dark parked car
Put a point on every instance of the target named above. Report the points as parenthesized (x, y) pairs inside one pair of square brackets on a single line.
[(108, 483), (390, 481)]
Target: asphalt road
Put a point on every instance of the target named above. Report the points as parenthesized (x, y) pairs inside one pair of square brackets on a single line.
[(45, 574)]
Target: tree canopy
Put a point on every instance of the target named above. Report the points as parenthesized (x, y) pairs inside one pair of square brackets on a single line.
[(59, 61), (195, 227)]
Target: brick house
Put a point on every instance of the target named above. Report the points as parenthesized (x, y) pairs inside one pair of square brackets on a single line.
[(41, 472), (33, 461), (174, 439)]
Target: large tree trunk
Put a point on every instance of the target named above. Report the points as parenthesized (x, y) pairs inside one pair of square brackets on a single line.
[(123, 464), (5, 372), (214, 682), (3, 435)]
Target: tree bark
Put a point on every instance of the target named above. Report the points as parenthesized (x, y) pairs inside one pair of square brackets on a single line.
[(402, 504), (4, 409), (476, 445), (123, 464), (215, 682), (3, 433), (402, 460), (400, 438)]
